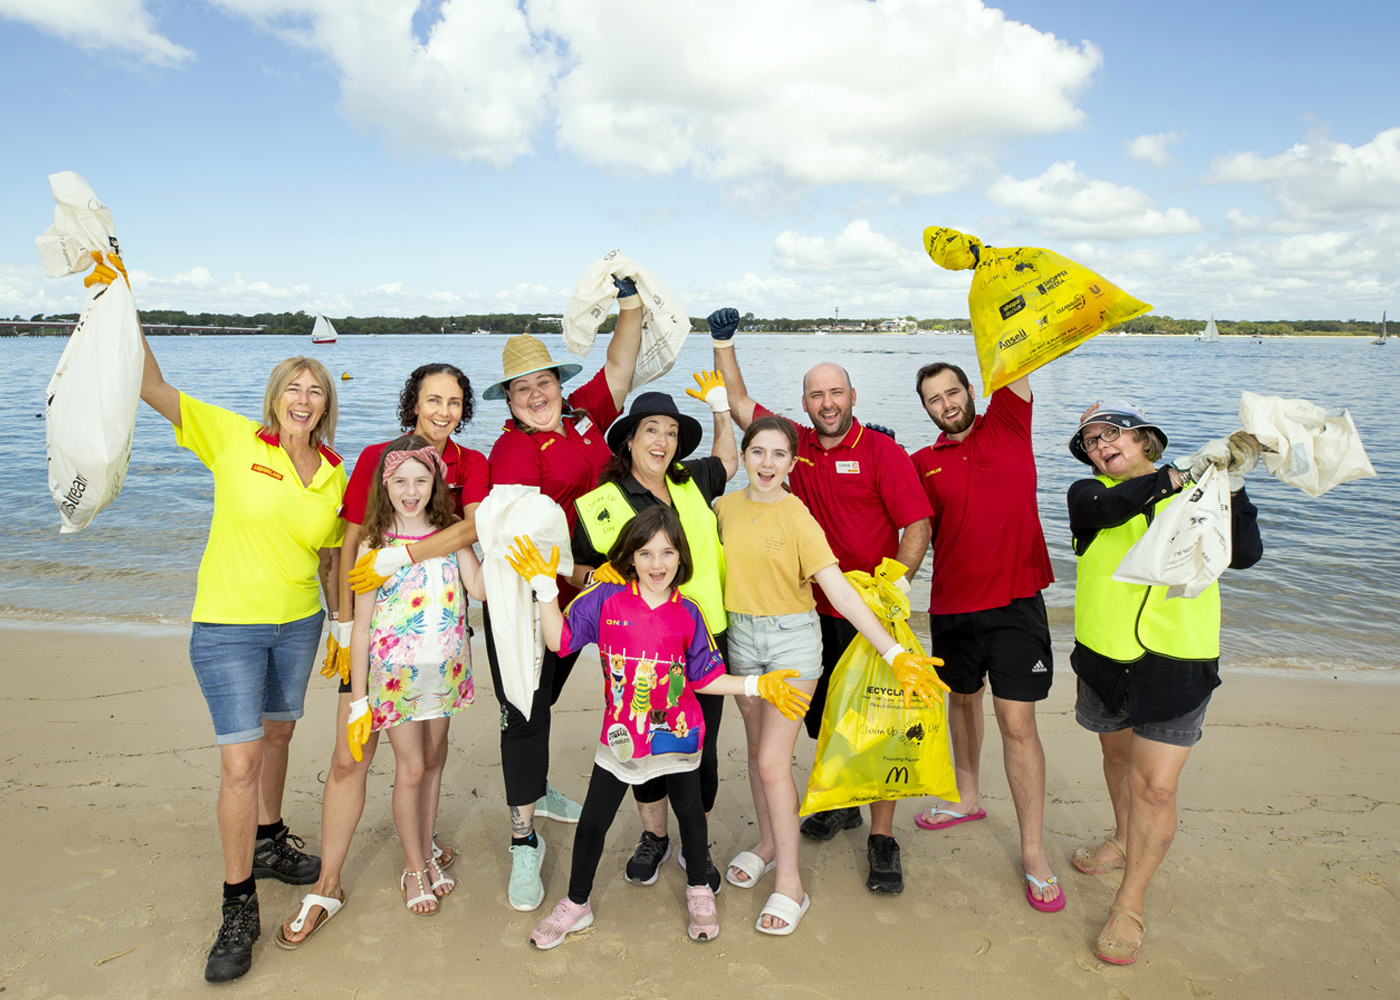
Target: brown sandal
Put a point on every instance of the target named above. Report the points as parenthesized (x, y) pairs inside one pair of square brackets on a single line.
[(1091, 861), (1110, 947)]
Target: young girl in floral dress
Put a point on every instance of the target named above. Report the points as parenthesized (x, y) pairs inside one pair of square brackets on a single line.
[(410, 659), (657, 653)]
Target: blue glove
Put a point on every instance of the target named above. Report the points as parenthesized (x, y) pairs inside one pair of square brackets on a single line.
[(723, 324), (626, 287), (887, 431)]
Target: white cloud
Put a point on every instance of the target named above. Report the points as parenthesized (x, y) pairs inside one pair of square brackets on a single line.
[(1064, 202), (856, 249), (1320, 181), (476, 88), (896, 93), (124, 26), (1153, 148)]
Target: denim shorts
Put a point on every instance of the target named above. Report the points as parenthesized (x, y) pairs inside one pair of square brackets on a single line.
[(759, 643), (253, 672), (1093, 715)]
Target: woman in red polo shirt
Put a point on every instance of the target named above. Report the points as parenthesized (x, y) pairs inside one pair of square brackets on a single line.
[(436, 402), (557, 444)]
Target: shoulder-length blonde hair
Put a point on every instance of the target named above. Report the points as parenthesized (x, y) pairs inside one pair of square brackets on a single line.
[(283, 375)]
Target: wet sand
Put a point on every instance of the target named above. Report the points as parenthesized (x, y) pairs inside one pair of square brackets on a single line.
[(1282, 881)]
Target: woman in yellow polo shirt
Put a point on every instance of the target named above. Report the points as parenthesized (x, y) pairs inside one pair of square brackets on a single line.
[(257, 613)]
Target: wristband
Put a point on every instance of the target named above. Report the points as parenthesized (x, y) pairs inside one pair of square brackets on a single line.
[(892, 653), (751, 685)]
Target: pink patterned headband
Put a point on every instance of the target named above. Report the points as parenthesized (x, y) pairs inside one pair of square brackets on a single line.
[(427, 455)]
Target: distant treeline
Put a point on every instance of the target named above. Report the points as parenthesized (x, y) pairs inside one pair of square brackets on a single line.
[(300, 324)]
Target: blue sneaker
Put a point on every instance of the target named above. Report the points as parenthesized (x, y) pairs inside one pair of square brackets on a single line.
[(555, 805), (526, 890)]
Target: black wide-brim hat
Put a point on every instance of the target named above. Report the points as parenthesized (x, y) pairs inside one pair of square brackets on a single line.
[(656, 404), (1122, 415)]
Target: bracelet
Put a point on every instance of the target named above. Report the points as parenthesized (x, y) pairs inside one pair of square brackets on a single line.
[(333, 616)]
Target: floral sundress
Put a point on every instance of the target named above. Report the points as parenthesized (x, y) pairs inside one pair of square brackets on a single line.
[(419, 654)]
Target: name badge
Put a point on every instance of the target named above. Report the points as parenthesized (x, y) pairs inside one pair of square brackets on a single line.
[(848, 468), (584, 425)]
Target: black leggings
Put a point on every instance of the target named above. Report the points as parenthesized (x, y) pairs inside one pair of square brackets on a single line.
[(525, 742), (605, 794), (712, 708)]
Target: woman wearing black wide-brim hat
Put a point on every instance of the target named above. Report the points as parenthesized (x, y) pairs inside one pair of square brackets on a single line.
[(649, 445)]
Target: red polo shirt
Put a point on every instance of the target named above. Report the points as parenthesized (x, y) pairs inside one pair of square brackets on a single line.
[(988, 547), (467, 477), (862, 492)]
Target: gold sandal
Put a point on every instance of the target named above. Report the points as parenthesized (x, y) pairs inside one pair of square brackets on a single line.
[(1090, 860), (1113, 949)]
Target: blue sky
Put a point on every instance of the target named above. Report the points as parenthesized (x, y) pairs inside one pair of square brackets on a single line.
[(364, 157)]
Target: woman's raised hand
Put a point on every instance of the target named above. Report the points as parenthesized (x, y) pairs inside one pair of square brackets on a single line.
[(103, 274), (711, 391), (774, 689), (377, 565), (526, 560)]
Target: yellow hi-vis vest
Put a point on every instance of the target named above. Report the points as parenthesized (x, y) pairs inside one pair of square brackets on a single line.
[(605, 511), (1123, 620)]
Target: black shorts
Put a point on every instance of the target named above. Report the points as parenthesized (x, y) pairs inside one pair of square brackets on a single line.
[(1010, 645)]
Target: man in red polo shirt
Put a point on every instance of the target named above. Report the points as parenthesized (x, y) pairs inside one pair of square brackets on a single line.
[(986, 613), (863, 491)]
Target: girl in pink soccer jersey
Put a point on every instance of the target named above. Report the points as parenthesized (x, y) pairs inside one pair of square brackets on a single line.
[(658, 641), (410, 660)]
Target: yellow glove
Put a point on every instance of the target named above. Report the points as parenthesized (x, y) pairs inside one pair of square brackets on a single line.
[(338, 651), (902, 580), (376, 566), (358, 728), (102, 274), (773, 688), (915, 674), (711, 391), (606, 574), (526, 560)]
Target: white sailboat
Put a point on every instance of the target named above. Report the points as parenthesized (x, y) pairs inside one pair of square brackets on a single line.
[(1380, 341), (322, 332), (1210, 335)]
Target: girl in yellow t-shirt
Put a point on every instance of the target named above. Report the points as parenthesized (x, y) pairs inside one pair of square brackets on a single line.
[(774, 549)]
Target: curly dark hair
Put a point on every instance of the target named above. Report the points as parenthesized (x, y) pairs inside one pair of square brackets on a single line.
[(441, 511), (408, 399)]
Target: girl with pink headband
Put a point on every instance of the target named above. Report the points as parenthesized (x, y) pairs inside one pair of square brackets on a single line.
[(410, 658)]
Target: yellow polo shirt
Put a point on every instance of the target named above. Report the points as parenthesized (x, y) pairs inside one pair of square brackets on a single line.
[(259, 565)]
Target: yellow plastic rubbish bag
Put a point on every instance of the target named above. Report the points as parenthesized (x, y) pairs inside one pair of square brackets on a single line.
[(1028, 305), (871, 749)]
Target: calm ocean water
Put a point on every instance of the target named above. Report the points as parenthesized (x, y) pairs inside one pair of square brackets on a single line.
[(1326, 595)]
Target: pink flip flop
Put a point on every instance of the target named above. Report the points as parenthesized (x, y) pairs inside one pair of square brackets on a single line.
[(932, 822), (1055, 905)]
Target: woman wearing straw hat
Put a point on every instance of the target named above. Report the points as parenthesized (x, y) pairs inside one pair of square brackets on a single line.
[(1146, 666), (646, 471), (557, 444)]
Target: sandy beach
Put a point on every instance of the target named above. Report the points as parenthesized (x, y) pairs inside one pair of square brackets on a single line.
[(1282, 881)]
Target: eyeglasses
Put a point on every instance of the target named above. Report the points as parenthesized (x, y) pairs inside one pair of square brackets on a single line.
[(1091, 442)]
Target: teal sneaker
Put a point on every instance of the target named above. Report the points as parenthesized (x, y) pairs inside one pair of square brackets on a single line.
[(557, 806), (526, 890)]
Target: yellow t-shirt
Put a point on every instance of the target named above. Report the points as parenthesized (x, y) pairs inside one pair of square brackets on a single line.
[(771, 553), (259, 565)]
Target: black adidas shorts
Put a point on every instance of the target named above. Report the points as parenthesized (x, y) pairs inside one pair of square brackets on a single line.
[(1009, 645)]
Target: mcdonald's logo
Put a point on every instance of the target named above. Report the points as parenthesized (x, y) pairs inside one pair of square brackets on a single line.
[(897, 773)]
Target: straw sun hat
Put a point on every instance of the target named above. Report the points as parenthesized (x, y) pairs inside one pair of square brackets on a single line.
[(524, 355)]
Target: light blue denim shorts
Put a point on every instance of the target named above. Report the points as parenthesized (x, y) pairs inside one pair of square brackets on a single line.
[(759, 643), (253, 672)]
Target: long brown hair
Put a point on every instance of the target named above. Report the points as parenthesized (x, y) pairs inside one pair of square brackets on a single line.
[(379, 512)]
